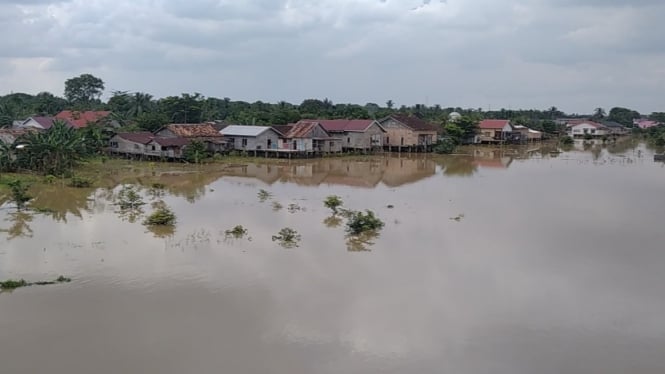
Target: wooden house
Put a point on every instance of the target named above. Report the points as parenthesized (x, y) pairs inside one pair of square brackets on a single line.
[(408, 132), (494, 130), (252, 138), (146, 144), (202, 132), (356, 134), (308, 137)]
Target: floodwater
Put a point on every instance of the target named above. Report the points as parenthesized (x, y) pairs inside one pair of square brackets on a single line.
[(504, 260)]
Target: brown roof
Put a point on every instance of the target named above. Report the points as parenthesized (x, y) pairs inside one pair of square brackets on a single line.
[(297, 130), (143, 137), (47, 122), (194, 130), (171, 142), (283, 129), (82, 119), (339, 125), (414, 123), (493, 123)]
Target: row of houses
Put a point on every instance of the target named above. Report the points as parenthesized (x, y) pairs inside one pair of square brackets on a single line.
[(577, 128), (304, 138)]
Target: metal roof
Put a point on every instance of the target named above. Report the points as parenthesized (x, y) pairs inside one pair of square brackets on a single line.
[(238, 130)]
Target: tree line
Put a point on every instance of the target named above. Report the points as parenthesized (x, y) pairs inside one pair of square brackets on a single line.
[(142, 111)]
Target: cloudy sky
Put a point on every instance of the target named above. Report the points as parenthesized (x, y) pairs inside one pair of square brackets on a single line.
[(573, 54)]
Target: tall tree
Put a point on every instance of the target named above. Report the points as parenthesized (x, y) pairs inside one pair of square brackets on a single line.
[(598, 113), (83, 89), (623, 116)]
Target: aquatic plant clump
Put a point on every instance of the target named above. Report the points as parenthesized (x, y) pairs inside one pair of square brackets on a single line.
[(333, 202), (360, 222), (237, 232), (19, 191), (162, 216), (11, 284), (287, 237), (128, 198), (264, 195), (80, 182)]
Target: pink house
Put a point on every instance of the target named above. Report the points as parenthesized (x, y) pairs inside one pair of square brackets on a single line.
[(645, 123)]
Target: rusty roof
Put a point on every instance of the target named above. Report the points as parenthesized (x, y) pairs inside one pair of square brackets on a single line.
[(194, 130), (171, 142), (414, 123), (298, 130), (82, 118)]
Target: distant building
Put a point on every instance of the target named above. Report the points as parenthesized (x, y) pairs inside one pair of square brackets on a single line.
[(41, 123), (494, 130), (80, 119), (404, 131)]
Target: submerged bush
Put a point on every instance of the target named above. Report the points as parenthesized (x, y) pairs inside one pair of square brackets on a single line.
[(360, 222), (567, 140), (264, 195), (333, 202), (445, 146), (237, 232), (14, 284), (162, 216), (287, 237), (19, 191), (128, 198)]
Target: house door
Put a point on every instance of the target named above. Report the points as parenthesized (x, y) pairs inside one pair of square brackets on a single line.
[(269, 144), (295, 145)]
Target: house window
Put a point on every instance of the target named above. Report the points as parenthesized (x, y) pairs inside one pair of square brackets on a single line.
[(387, 140), (136, 146), (244, 142), (114, 144), (332, 145), (153, 147), (163, 148)]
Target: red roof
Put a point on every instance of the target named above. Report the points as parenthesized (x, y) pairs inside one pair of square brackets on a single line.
[(340, 125), (82, 119), (413, 122), (493, 123)]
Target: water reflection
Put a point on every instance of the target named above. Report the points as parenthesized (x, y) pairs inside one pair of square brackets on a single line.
[(19, 225)]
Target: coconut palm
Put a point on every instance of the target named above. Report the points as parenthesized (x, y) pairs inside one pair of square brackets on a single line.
[(140, 103)]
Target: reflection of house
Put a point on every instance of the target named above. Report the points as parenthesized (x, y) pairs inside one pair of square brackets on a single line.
[(202, 132), (585, 128), (405, 131), (356, 134), (307, 137), (488, 158), (494, 130), (251, 138), (405, 170), (80, 119)]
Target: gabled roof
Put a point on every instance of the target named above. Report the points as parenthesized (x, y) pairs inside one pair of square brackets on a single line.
[(81, 119), (46, 122), (585, 122), (413, 122), (170, 142), (341, 125), (612, 124), (493, 124), (193, 130), (298, 130), (239, 130), (142, 137)]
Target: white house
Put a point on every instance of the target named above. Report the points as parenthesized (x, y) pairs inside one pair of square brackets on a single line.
[(586, 128)]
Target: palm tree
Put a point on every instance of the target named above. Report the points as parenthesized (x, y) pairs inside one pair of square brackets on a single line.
[(140, 103), (599, 113)]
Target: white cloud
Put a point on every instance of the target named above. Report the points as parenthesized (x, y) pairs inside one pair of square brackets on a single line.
[(455, 52)]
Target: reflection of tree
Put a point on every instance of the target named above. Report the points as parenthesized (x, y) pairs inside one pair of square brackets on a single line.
[(462, 166), (57, 200), (162, 231), (333, 221), (20, 227), (361, 242)]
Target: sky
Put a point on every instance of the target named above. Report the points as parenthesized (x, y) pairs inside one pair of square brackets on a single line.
[(576, 55)]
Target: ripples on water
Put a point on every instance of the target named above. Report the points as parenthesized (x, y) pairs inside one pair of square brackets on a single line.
[(552, 267)]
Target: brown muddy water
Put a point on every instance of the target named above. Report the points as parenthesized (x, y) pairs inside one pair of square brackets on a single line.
[(510, 260)]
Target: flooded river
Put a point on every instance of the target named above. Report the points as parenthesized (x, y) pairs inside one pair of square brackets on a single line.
[(505, 260)]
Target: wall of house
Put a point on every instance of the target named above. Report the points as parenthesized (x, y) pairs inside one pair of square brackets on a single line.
[(398, 135), (584, 129), (125, 146), (363, 140), (254, 143)]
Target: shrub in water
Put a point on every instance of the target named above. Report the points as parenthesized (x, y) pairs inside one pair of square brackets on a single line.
[(360, 222), (333, 202), (162, 216)]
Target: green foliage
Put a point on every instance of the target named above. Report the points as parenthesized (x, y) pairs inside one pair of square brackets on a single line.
[(196, 152), (238, 232), (623, 116), (333, 202), (128, 198), (19, 190), (162, 216), (264, 195), (11, 284), (83, 89), (287, 237), (567, 140), (78, 181), (445, 146), (151, 121), (50, 179), (360, 222)]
